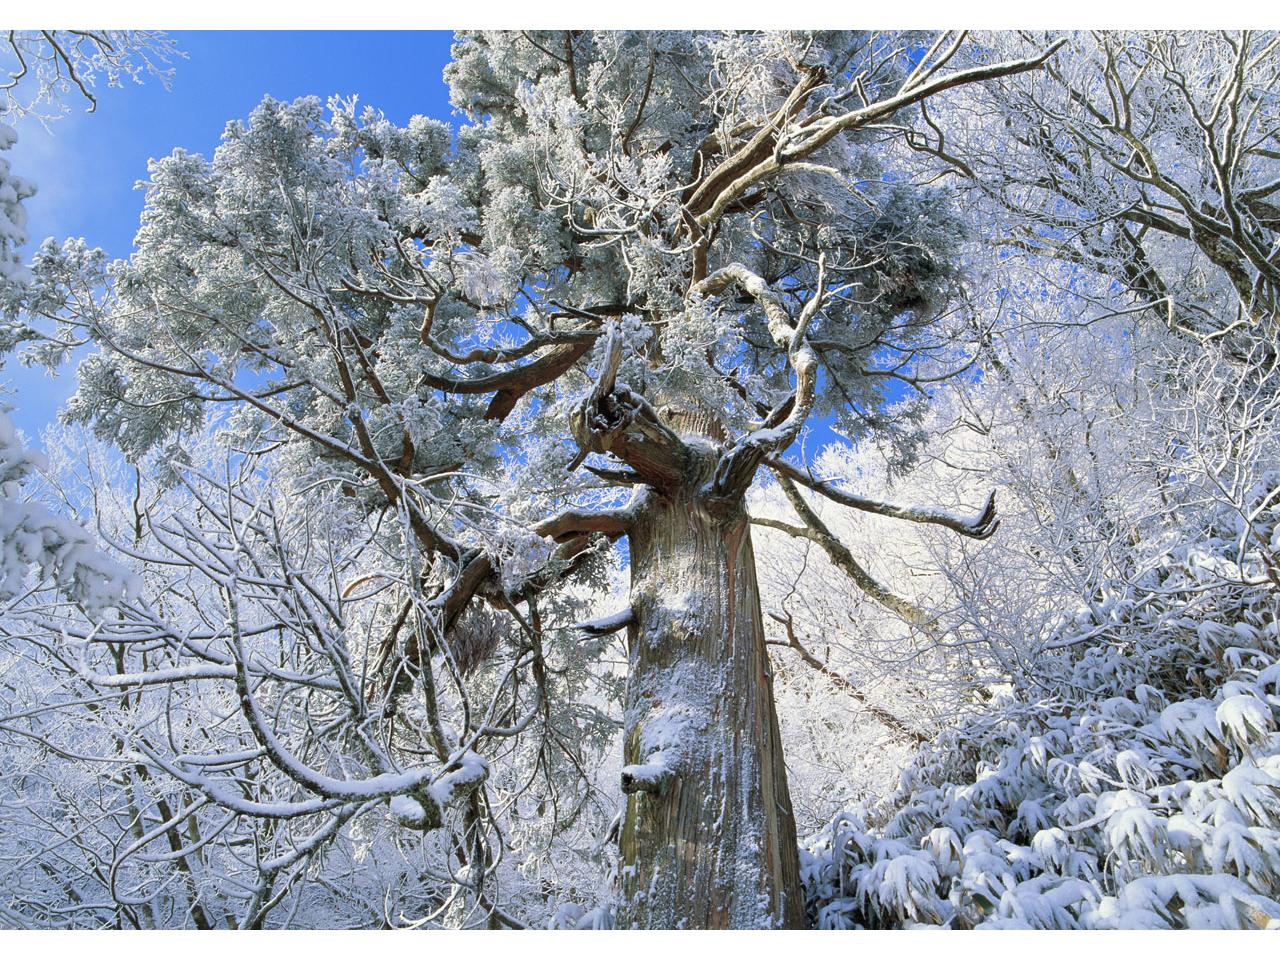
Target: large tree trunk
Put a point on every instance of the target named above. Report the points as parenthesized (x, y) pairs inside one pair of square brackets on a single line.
[(708, 839)]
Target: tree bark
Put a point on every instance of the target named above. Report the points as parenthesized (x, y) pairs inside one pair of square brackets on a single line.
[(708, 839)]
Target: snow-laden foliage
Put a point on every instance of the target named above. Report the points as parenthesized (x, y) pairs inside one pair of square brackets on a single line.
[(36, 540), (1127, 772), (13, 218), (1062, 807)]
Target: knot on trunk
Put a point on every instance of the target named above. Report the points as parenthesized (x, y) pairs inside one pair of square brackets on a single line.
[(609, 407), (653, 776)]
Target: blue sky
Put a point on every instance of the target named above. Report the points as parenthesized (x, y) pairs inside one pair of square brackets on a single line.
[(86, 166)]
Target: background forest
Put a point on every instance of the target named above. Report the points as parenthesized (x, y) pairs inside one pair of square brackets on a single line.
[(730, 479)]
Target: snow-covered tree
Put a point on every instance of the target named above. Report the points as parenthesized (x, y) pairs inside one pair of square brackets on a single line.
[(1145, 158), (475, 557), (644, 265), (1093, 766)]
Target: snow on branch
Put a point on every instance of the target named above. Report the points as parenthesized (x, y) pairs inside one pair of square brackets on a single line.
[(817, 531), (610, 623), (738, 465), (786, 140), (980, 526), (31, 535)]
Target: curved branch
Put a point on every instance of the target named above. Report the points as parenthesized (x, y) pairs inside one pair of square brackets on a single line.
[(610, 623), (510, 385), (979, 527), (574, 522), (738, 465), (771, 150)]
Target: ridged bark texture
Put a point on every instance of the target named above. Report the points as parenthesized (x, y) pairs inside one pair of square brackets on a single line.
[(708, 838)]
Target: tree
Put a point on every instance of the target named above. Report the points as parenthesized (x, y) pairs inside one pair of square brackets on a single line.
[(645, 265), (1147, 158), (48, 68), (1117, 764), (110, 826)]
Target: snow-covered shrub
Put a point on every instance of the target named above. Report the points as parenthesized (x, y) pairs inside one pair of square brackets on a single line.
[(1129, 776), (1156, 807)]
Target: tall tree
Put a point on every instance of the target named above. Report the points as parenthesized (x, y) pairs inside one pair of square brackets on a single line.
[(597, 312)]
